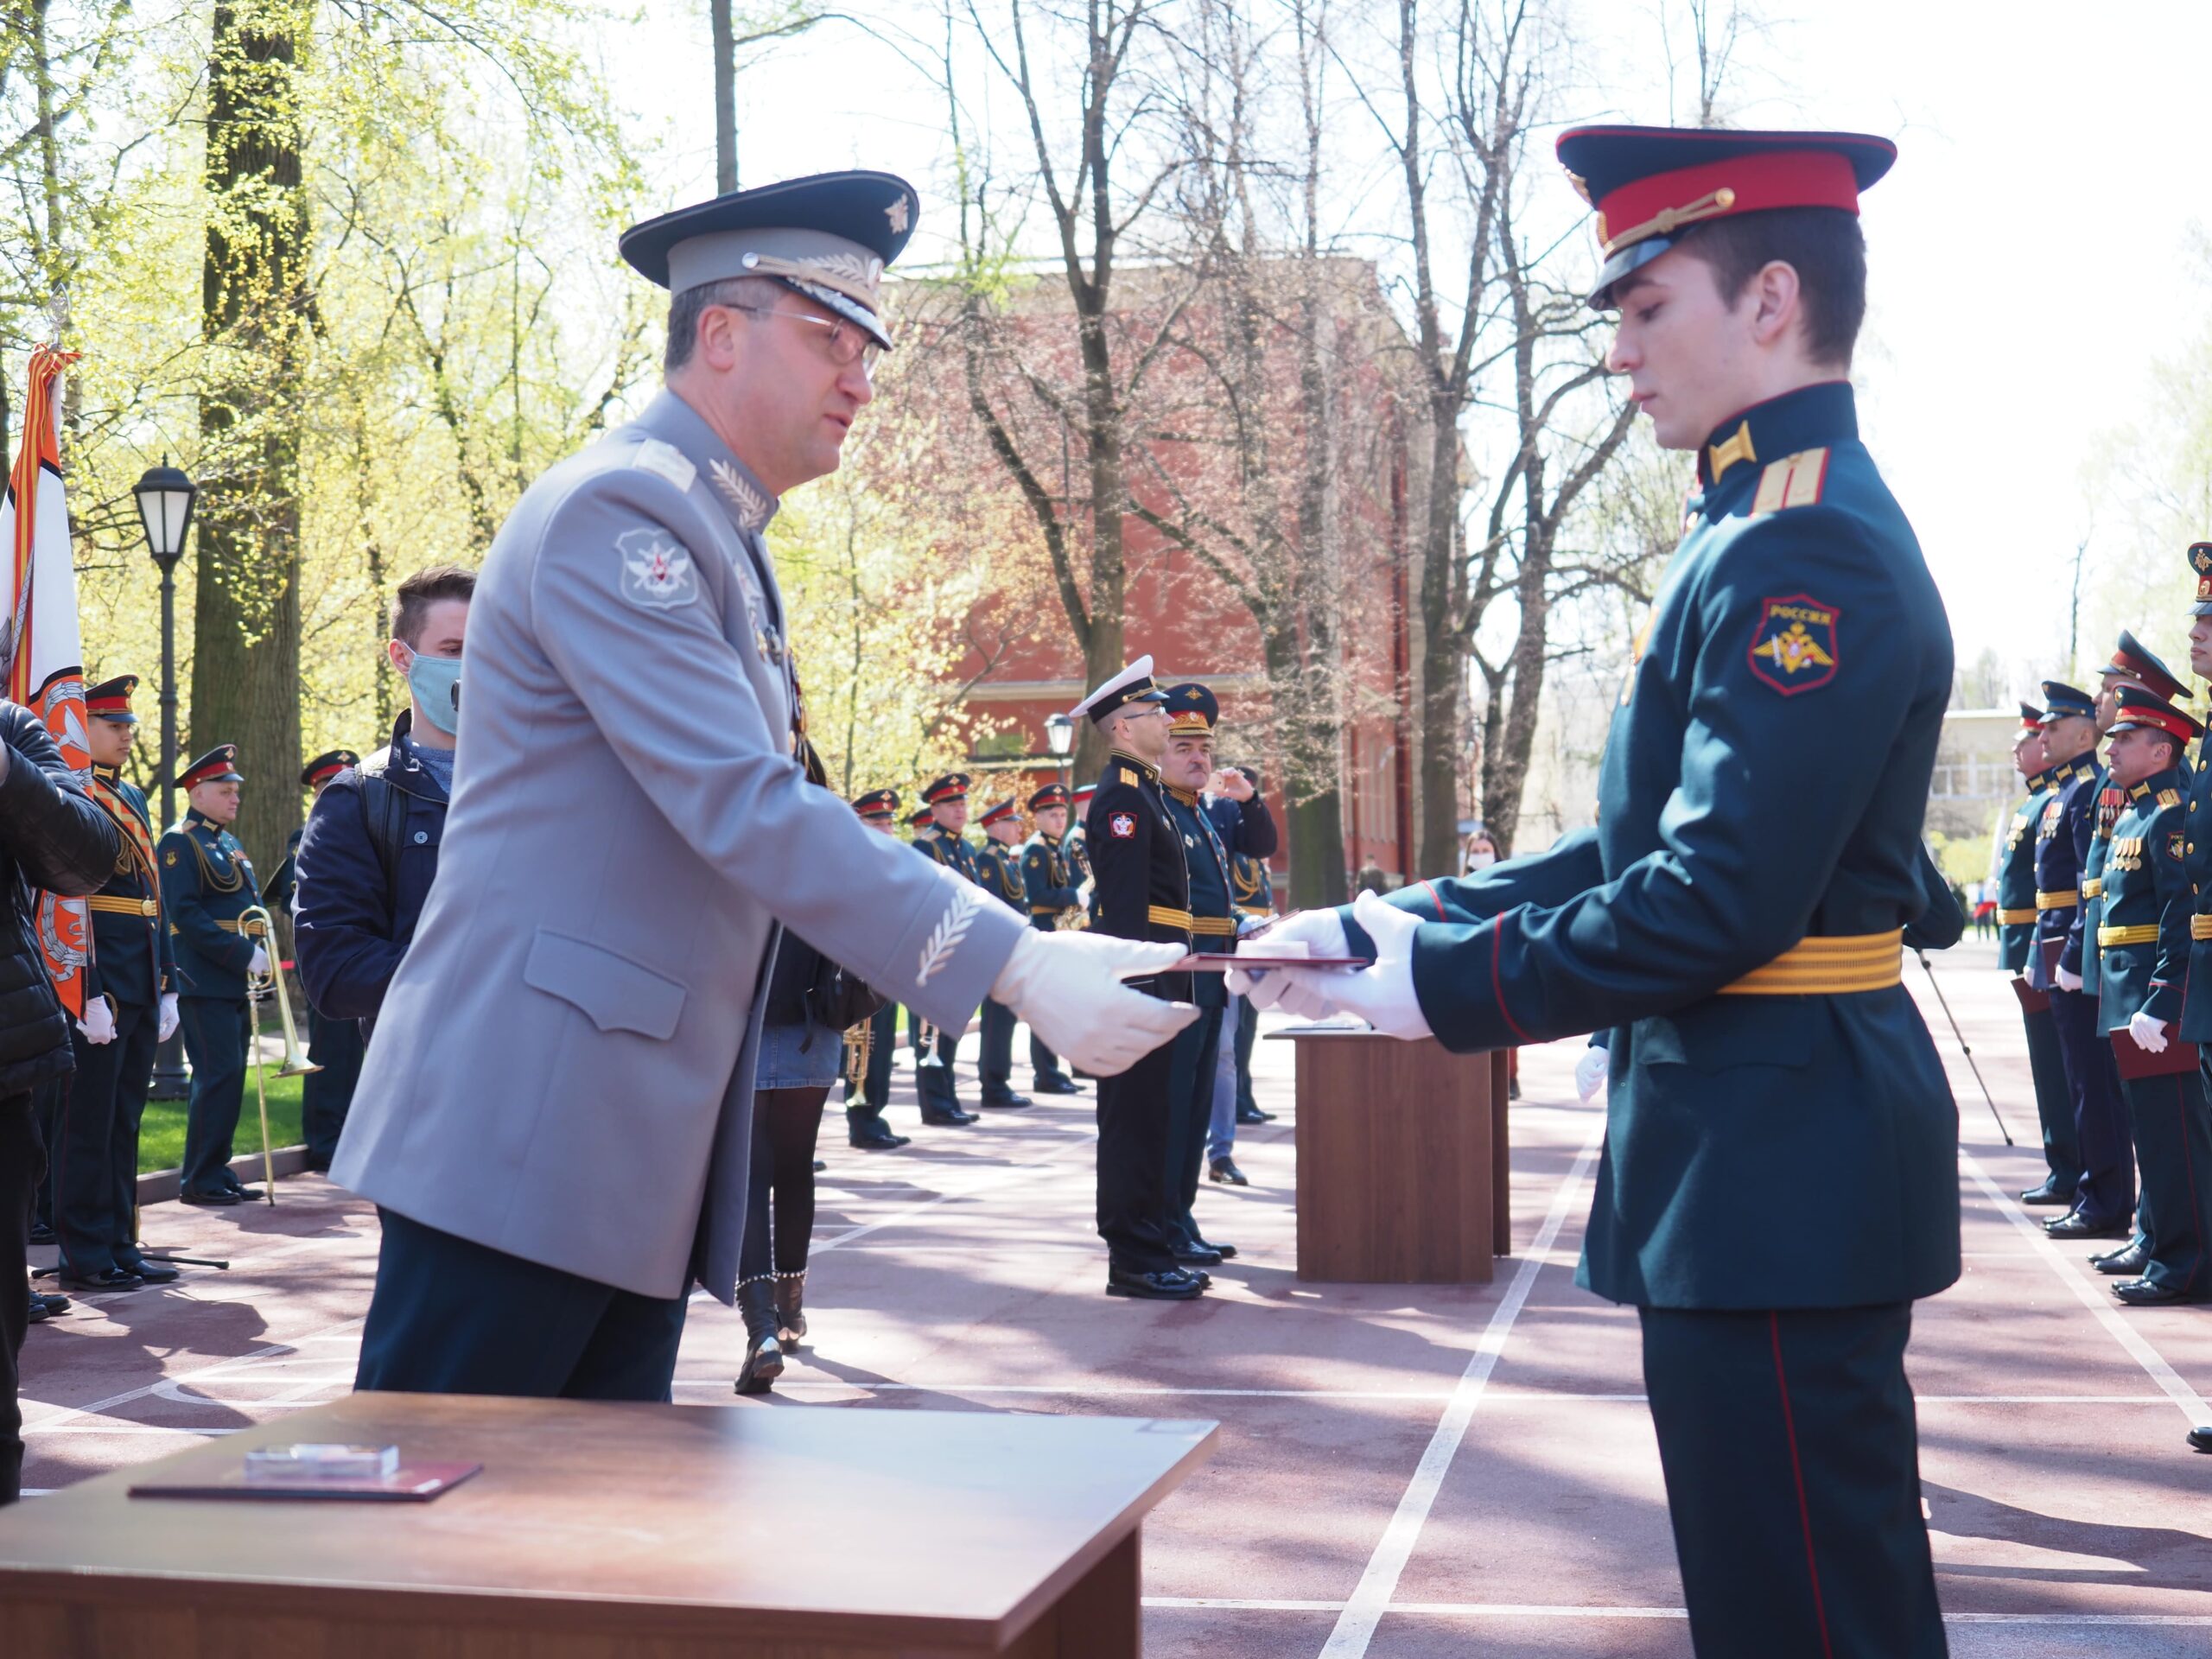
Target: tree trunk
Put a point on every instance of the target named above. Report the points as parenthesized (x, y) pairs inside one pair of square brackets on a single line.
[(725, 97), (1440, 661), (245, 669)]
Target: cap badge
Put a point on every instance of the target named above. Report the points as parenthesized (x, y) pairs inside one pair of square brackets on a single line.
[(897, 214)]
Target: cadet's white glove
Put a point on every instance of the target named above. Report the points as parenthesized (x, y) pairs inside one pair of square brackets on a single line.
[(167, 1028), (2067, 982), (1382, 995), (260, 963), (2150, 1035), (1319, 930), (1591, 1072), (1068, 986), (98, 1023)]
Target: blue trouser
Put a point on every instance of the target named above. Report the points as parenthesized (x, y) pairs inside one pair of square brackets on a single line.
[(1247, 1029), (216, 1032), (96, 1160), (1791, 1458), (1221, 1131), (2104, 1186), (450, 1316), (2054, 1103), (2173, 1143), (337, 1046), (1190, 1108), (994, 1061)]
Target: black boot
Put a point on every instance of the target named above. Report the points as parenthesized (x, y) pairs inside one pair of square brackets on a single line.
[(868, 1131), (791, 1309), (764, 1360)]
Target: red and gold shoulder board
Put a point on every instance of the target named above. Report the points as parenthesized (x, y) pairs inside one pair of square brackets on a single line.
[(1794, 481)]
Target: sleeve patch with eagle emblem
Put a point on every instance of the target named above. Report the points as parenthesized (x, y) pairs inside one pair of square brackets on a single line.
[(1794, 646), (1123, 824)]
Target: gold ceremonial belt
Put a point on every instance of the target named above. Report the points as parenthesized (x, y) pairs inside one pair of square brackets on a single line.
[(1829, 967), (2200, 927), (2094, 888), (1223, 927), (2015, 918), (2065, 900), (1161, 916), (2146, 934), (123, 906), (250, 929), (1045, 909)]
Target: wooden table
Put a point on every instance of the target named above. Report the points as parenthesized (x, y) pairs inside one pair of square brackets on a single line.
[(602, 1531), (1402, 1172)]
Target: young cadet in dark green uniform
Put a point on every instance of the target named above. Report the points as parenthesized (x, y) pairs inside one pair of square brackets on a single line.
[(131, 1008), (1143, 892), (940, 837), (2144, 942), (1052, 891), (336, 1045), (207, 885), (1077, 846), (869, 1092), (2196, 854), (1734, 919), (2016, 934), (998, 872), (1252, 887), (2104, 1186)]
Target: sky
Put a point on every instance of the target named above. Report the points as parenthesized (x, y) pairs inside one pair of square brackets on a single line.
[(2030, 254)]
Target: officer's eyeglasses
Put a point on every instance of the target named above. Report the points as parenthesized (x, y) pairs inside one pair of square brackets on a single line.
[(848, 341)]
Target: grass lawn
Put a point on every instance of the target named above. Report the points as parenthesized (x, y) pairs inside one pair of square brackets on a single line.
[(161, 1133)]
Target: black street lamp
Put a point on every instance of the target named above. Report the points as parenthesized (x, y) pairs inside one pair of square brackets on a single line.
[(165, 498), (1059, 737)]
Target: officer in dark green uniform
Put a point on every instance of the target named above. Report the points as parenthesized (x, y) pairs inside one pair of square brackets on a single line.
[(867, 1087), (2196, 854), (207, 885), (130, 1006), (1252, 889), (998, 872), (2104, 1189), (2015, 933), (1143, 891), (938, 836), (2144, 941), (1734, 919), (336, 1045), (1052, 889)]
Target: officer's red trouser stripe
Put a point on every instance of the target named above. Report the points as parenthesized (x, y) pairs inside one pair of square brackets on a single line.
[(1797, 1473)]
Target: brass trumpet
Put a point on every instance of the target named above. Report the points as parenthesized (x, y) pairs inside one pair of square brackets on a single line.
[(257, 923)]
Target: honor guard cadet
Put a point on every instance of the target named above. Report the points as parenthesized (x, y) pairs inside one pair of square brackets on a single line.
[(1054, 892), (207, 886), (940, 837), (867, 1073), (1252, 887), (998, 871), (2131, 665), (1734, 921), (1143, 891), (2016, 934), (130, 1006), (2144, 941), (2104, 1191), (336, 1045)]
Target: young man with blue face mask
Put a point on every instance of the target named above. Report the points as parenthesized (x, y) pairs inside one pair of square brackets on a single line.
[(372, 843)]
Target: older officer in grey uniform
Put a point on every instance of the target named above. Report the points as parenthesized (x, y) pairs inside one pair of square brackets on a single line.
[(555, 1117)]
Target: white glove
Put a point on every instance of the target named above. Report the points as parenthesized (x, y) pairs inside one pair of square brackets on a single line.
[(2068, 982), (1382, 995), (2150, 1035), (260, 963), (1067, 985), (1319, 931), (1591, 1072), (98, 1023), (167, 1028)]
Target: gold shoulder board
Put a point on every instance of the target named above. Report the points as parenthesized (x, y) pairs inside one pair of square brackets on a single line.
[(2170, 797), (1129, 777), (1794, 481)]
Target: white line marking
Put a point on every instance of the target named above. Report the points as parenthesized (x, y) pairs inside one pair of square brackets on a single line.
[(2086, 1291), (1537, 1609), (1500, 1398), (275, 1350), (996, 1178), (1371, 1598)]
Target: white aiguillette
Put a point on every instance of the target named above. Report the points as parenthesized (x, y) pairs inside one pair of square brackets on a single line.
[(309, 1464)]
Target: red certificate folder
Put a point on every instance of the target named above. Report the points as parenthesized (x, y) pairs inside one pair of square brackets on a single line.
[(2136, 1061), (2031, 999), (412, 1483)]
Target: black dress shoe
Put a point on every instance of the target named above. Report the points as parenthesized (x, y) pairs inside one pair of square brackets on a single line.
[(2141, 1293), (105, 1279), (214, 1200), (948, 1120), (2123, 1264), (1226, 1252), (154, 1273), (41, 1233), (1225, 1171), (1171, 1287), (1254, 1115), (870, 1134), (2074, 1225), (1056, 1085), (39, 1314), (2048, 1193), (51, 1303), (2200, 1439), (1192, 1254), (246, 1194), (1006, 1102)]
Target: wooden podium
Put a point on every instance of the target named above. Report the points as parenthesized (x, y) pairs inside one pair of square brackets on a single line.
[(1403, 1172), (602, 1531)]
